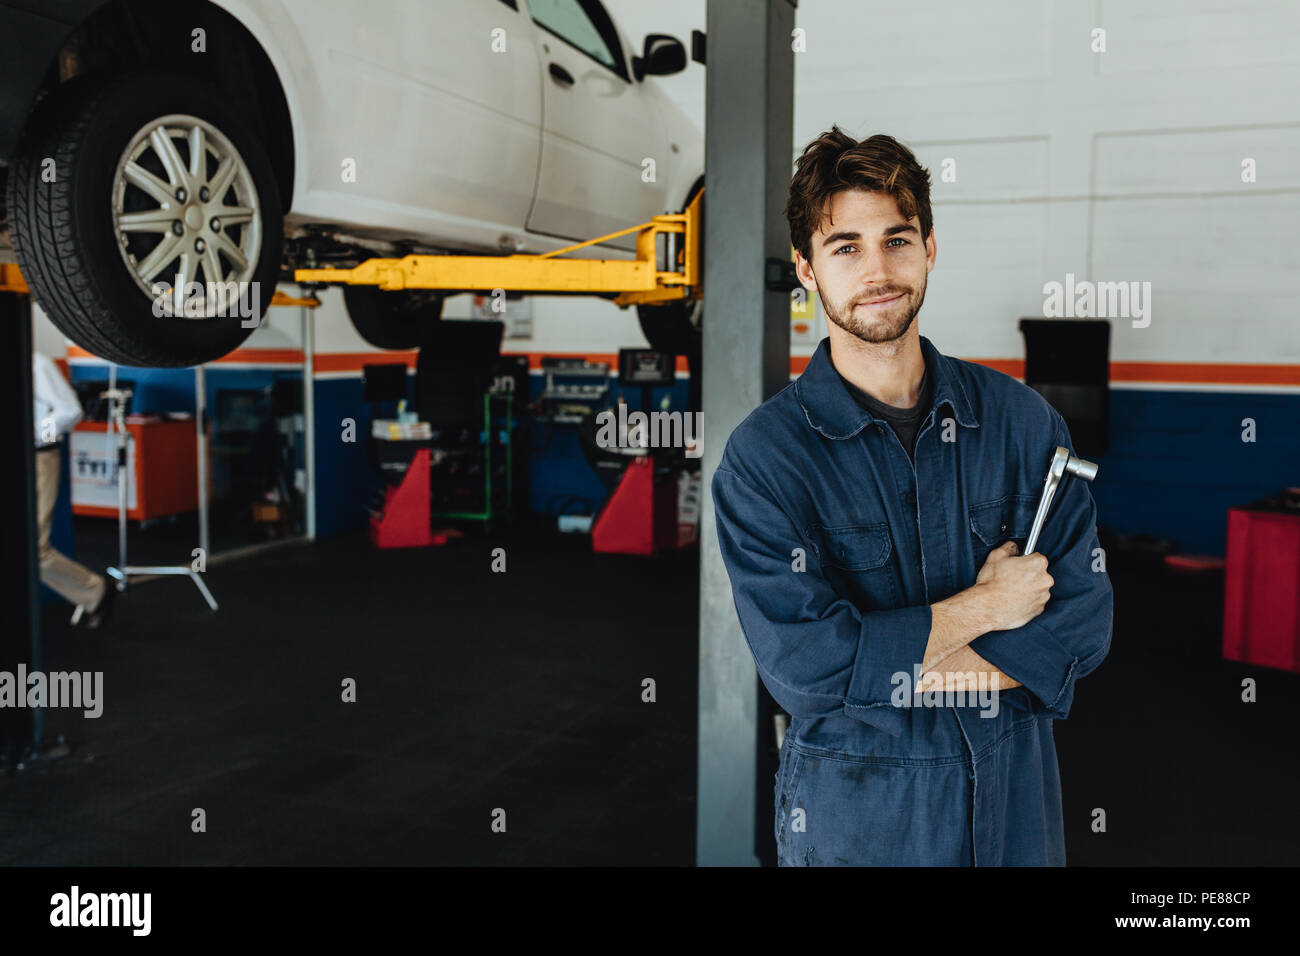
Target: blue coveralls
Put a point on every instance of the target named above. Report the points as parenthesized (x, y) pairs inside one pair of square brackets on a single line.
[(836, 544)]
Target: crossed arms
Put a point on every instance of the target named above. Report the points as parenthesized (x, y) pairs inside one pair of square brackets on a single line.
[(821, 656)]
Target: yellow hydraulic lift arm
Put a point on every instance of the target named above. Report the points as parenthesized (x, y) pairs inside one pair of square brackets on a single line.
[(632, 281), (11, 280)]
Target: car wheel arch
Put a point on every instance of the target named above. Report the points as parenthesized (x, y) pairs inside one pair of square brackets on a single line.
[(115, 38)]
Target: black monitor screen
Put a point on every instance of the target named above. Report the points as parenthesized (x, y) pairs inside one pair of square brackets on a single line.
[(385, 383), (646, 367)]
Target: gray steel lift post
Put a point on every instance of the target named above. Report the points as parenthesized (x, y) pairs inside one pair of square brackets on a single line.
[(749, 147), (22, 729)]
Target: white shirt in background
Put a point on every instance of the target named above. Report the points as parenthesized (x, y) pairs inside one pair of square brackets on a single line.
[(54, 402)]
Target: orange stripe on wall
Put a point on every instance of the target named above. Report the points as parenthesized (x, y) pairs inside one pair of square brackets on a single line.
[(265, 356), (1013, 367), (245, 356), (353, 361), (1206, 372), (1191, 373)]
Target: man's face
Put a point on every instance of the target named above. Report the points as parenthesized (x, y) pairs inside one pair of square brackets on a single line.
[(869, 265)]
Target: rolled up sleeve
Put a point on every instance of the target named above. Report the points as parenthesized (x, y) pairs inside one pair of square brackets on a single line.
[(816, 652), (1072, 635)]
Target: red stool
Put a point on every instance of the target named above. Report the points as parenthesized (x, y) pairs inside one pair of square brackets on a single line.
[(1192, 563)]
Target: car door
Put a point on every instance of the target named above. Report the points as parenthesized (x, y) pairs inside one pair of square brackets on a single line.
[(435, 103), (599, 127)]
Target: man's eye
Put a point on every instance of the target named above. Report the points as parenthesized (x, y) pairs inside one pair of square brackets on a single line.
[(842, 248), (898, 239)]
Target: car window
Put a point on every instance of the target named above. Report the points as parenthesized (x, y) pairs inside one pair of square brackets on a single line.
[(583, 25)]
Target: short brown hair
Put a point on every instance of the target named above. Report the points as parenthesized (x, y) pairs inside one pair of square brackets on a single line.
[(835, 161)]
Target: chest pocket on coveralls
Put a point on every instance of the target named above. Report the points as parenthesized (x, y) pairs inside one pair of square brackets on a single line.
[(861, 557), (1008, 518)]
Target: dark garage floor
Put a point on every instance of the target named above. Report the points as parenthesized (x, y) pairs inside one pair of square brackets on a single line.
[(522, 690)]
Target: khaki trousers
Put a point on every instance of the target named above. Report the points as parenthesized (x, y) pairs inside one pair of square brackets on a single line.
[(74, 582)]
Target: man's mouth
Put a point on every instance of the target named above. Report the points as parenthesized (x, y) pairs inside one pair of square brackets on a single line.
[(884, 300)]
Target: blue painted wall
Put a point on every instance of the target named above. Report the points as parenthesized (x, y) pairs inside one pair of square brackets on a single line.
[(160, 390), (344, 475), (1176, 461)]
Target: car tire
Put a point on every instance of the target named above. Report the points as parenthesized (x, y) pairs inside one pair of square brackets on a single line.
[(392, 320), (88, 235), (677, 327)]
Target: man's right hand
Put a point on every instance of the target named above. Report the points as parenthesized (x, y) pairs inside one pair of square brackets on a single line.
[(1013, 588), (1009, 591)]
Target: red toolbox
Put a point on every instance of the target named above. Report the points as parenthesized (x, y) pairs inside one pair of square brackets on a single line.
[(1261, 614)]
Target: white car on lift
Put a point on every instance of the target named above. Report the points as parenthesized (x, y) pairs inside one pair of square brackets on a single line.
[(187, 144)]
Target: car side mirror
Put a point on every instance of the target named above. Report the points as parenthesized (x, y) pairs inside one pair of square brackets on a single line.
[(662, 55)]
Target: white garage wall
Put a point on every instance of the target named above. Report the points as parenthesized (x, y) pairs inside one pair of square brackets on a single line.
[(45, 337), (1123, 165)]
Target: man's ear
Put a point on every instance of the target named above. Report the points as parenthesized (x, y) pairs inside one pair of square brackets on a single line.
[(803, 269)]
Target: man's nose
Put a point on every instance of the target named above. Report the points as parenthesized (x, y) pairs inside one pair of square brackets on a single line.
[(874, 271)]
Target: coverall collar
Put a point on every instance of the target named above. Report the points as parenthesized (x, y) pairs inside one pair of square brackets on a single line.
[(831, 410)]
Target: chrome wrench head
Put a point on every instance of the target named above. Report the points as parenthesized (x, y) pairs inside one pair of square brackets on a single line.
[(1063, 465)]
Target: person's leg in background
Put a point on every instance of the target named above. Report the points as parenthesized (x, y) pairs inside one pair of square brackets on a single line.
[(72, 581)]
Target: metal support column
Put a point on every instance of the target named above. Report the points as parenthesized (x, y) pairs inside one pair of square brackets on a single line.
[(749, 117), (21, 728), (309, 416), (201, 457)]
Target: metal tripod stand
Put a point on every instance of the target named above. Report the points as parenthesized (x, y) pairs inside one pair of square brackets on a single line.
[(117, 419)]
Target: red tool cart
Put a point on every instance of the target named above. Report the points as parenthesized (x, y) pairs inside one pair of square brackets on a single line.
[(161, 465), (1261, 618)]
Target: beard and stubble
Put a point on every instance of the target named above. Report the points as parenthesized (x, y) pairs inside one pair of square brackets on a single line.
[(885, 323)]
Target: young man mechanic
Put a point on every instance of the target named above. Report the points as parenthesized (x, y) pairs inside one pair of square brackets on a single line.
[(868, 516)]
